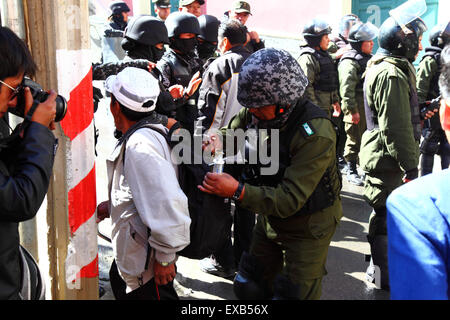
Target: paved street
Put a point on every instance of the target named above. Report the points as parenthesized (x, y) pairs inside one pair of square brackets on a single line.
[(346, 258)]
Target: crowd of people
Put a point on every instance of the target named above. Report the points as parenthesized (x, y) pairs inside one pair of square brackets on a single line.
[(336, 110)]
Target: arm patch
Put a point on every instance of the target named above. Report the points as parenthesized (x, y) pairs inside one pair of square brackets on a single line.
[(307, 129)]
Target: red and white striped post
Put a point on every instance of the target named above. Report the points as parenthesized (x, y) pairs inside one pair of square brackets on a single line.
[(58, 35)]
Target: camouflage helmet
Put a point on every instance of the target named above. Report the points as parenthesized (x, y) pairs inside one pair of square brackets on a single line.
[(270, 77)]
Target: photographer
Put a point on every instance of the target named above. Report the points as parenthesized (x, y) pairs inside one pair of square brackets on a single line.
[(26, 157)]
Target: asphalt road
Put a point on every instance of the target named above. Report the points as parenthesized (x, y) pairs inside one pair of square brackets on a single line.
[(346, 257)]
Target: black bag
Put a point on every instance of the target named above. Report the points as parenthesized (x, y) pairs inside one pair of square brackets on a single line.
[(32, 286), (210, 215)]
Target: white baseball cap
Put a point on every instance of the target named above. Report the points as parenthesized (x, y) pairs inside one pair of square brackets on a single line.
[(133, 87)]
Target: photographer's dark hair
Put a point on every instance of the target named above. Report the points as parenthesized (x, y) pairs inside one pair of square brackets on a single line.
[(130, 114), (444, 79), (14, 56), (235, 31)]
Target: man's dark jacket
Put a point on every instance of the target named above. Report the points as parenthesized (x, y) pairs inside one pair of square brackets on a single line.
[(25, 171)]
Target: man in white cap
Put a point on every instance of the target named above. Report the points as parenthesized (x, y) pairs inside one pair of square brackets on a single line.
[(191, 6), (148, 210)]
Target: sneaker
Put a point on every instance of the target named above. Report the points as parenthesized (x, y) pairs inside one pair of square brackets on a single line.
[(211, 266), (355, 179), (345, 169)]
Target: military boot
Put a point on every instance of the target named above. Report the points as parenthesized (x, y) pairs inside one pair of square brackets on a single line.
[(352, 174)]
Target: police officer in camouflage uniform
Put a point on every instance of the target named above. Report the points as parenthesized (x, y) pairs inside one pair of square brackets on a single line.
[(390, 147), (299, 206), (434, 141), (351, 68), (319, 67)]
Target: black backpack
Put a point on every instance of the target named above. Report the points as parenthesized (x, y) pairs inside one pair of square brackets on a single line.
[(210, 215)]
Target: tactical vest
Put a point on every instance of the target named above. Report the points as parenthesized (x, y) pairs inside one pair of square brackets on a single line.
[(362, 60), (181, 70), (372, 118), (329, 187), (435, 53), (328, 77)]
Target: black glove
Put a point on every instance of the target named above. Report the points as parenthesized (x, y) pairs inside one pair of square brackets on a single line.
[(411, 175)]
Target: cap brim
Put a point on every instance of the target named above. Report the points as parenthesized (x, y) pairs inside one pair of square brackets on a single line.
[(109, 83), (242, 11)]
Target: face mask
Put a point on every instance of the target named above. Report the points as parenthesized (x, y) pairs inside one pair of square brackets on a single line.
[(185, 46), (157, 53), (206, 50)]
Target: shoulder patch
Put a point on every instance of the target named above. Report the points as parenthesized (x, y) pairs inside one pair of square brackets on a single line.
[(307, 129)]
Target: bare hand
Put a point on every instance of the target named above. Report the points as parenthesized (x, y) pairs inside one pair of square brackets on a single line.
[(163, 275), (430, 114), (194, 84), (337, 109), (151, 66), (212, 144), (45, 112), (356, 118), (102, 211), (176, 91), (341, 51), (254, 36), (222, 185)]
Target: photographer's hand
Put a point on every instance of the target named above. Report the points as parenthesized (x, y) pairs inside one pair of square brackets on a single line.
[(45, 113)]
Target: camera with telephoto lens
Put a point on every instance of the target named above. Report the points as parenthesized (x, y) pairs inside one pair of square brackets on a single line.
[(40, 96)]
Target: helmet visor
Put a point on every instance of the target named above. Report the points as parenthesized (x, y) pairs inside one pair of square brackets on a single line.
[(446, 32), (408, 12), (321, 26), (366, 32), (347, 23)]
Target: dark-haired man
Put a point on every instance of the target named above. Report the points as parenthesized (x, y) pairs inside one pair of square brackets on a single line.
[(218, 103), (26, 158)]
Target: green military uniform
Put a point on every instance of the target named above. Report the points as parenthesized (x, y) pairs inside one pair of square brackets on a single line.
[(389, 147), (296, 244), (351, 90), (323, 99), (427, 70)]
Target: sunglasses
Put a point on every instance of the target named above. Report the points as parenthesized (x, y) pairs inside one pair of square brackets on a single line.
[(15, 91)]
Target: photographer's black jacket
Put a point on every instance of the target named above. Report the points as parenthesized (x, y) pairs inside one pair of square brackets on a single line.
[(25, 171)]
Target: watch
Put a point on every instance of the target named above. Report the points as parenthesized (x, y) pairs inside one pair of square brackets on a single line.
[(238, 192)]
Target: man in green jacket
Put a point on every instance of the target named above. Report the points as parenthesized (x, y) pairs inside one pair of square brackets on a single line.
[(298, 204), (351, 69), (434, 141), (389, 148), (319, 67)]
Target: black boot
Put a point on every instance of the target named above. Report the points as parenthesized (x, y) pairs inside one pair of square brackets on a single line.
[(352, 174)]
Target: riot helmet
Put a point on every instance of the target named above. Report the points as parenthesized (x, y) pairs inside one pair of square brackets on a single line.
[(361, 32), (141, 36), (209, 26), (314, 30), (400, 33), (440, 35), (271, 77), (346, 23), (117, 7), (182, 22)]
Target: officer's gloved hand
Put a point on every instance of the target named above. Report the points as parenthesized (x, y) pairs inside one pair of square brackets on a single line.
[(411, 175)]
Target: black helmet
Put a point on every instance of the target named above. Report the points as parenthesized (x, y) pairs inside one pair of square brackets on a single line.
[(401, 41), (117, 7), (347, 22), (147, 30), (314, 30), (440, 35), (182, 22), (209, 26)]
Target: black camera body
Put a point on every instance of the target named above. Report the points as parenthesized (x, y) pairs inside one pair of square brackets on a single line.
[(40, 96)]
